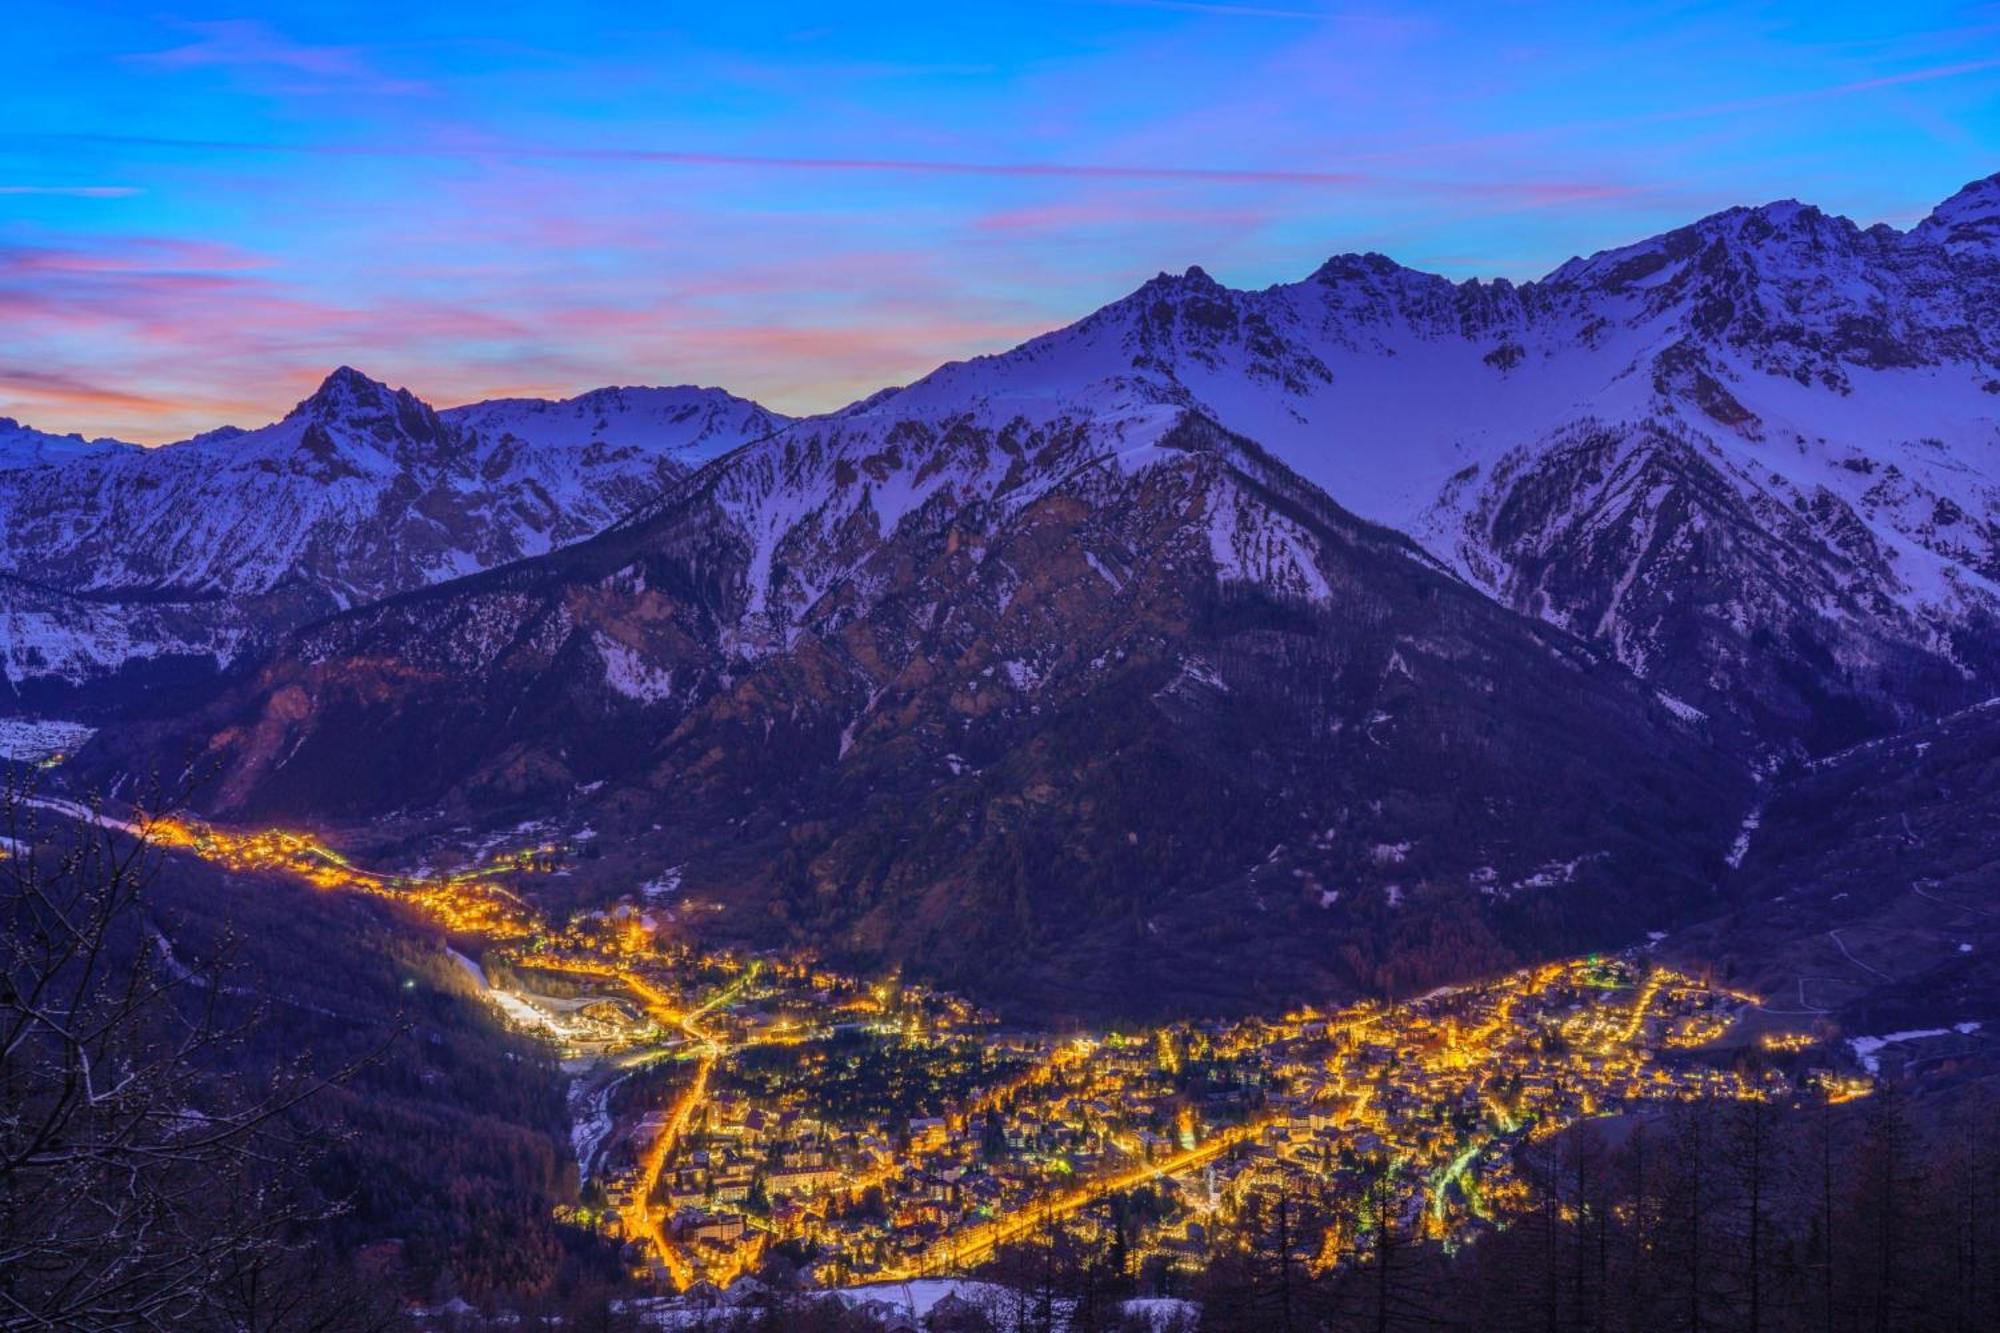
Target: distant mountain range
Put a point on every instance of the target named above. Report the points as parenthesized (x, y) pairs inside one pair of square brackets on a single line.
[(130, 565), (25, 447), (1354, 634)]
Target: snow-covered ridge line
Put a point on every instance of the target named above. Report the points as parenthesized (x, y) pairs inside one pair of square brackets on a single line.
[(1772, 381), (1834, 392), (201, 549)]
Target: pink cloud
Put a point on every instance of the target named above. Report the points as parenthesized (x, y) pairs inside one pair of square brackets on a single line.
[(1223, 10), (527, 151), (257, 48), (74, 191), (1071, 214), (212, 333), (134, 254), (43, 386)]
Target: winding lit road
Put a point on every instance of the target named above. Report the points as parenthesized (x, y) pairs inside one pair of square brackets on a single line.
[(470, 903)]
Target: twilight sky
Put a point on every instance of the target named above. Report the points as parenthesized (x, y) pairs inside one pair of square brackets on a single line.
[(201, 212)]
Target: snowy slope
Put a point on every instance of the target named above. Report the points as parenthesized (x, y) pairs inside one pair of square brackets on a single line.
[(50, 638), (362, 489), (1382, 384), (1768, 427)]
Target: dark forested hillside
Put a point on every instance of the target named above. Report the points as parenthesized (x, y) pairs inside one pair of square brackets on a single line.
[(447, 1146), (428, 1146)]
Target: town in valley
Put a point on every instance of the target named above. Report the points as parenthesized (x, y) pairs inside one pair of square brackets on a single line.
[(729, 1107)]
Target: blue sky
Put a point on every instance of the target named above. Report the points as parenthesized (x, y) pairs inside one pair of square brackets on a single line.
[(202, 211)]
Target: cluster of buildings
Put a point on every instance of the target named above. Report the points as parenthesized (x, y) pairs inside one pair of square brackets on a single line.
[(875, 1129), (1421, 1107)]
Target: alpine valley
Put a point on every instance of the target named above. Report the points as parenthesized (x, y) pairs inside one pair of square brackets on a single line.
[(1221, 650)]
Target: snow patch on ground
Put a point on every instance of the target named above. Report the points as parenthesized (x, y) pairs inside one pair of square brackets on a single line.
[(1868, 1050), (511, 1006), (1680, 708), (663, 886), (1104, 572), (1547, 876), (1023, 676), (590, 1122), (472, 968), (627, 672), (1740, 848), (1162, 1313), (31, 740)]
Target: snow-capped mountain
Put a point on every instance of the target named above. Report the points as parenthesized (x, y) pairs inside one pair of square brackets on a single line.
[(1110, 639), (358, 493), (683, 423), (1758, 458), (25, 447), (1754, 457)]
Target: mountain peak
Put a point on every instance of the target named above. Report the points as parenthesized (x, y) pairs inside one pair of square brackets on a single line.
[(1779, 222), (1786, 211), (1351, 267), (391, 420), (1969, 218), (1195, 279), (349, 385), (349, 393)]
